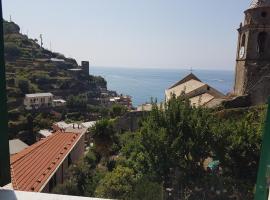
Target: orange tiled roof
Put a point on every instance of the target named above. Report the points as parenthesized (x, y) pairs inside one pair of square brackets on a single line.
[(31, 168)]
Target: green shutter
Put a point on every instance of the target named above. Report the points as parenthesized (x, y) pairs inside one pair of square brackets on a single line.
[(4, 146), (263, 177)]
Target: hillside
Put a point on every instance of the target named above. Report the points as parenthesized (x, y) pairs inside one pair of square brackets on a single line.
[(31, 68)]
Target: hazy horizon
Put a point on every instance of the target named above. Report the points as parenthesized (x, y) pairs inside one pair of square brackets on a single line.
[(173, 34), (194, 69)]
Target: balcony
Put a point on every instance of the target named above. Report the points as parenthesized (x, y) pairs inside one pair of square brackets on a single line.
[(18, 195)]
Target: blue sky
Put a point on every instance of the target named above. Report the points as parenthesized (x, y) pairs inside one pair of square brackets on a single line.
[(135, 33)]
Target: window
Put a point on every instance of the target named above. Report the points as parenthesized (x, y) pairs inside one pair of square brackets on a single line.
[(264, 14), (243, 42), (261, 41)]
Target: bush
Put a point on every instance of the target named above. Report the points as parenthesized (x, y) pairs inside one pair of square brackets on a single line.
[(10, 27), (117, 184), (67, 188), (12, 50), (23, 85), (117, 110)]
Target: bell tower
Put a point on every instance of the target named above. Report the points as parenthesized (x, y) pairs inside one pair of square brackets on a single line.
[(252, 73)]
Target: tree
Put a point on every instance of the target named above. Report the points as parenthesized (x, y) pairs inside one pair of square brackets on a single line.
[(147, 190), (24, 85), (12, 50), (77, 102), (30, 127), (67, 188), (117, 184), (117, 110), (104, 136), (103, 129)]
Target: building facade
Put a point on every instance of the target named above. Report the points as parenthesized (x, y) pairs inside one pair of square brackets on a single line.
[(38, 100), (42, 100), (252, 74)]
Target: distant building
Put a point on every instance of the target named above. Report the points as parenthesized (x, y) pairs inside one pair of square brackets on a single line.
[(57, 60), (148, 106), (199, 93), (42, 100), (85, 66), (59, 102), (16, 146), (121, 100), (40, 167), (43, 134), (38, 100)]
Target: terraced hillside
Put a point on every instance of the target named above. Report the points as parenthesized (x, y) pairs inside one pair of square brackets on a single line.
[(31, 68)]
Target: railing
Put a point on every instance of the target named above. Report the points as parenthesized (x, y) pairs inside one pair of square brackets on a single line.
[(263, 178)]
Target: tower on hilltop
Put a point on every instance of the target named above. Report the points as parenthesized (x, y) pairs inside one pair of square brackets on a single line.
[(252, 74)]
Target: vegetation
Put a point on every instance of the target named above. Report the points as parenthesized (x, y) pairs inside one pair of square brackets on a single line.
[(30, 70), (171, 150)]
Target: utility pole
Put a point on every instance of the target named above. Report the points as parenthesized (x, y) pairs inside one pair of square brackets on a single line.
[(4, 145), (41, 40), (10, 20)]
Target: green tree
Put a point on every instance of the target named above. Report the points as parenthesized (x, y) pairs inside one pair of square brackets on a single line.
[(117, 184), (103, 129), (147, 190), (77, 102), (23, 85), (117, 110), (67, 188)]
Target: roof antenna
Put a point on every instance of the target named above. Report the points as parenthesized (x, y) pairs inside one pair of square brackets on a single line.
[(191, 70)]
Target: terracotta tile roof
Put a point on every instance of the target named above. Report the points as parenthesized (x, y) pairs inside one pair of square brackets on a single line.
[(31, 168)]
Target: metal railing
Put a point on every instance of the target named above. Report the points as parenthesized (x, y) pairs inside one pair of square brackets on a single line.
[(263, 177)]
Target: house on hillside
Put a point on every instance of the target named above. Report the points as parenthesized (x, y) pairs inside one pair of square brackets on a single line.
[(42, 100), (198, 93), (37, 100), (40, 167), (123, 100)]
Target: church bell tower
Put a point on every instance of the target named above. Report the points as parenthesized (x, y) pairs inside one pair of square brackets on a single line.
[(252, 73)]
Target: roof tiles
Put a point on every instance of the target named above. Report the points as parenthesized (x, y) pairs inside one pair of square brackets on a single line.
[(31, 168)]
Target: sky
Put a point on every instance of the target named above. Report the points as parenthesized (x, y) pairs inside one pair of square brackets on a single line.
[(182, 34)]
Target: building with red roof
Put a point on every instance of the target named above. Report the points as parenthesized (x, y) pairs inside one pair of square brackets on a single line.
[(40, 167)]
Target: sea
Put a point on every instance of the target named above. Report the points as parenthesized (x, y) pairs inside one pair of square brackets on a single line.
[(144, 84)]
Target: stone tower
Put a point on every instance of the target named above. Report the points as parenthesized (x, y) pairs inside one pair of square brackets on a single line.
[(252, 74)]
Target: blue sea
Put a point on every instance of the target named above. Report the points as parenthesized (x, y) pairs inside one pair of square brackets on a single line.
[(142, 84)]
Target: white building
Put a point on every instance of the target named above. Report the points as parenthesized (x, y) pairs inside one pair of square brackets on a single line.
[(59, 102), (38, 100), (42, 100)]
